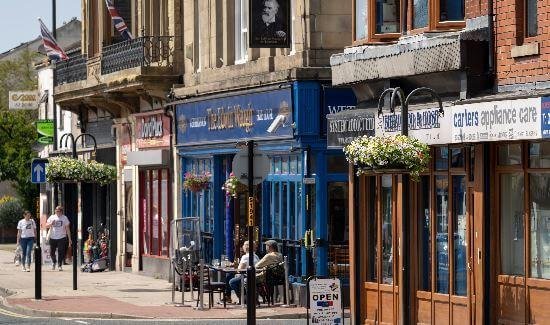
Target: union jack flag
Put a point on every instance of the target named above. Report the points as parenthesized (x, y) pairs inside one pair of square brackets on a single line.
[(119, 23), (53, 50)]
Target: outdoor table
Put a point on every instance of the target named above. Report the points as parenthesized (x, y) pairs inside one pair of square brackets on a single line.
[(233, 270)]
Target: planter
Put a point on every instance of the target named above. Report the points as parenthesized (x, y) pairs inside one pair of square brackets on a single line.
[(69, 170), (197, 187), (196, 182)]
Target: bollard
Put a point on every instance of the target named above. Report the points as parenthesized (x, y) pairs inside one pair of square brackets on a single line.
[(37, 271), (287, 300), (201, 285)]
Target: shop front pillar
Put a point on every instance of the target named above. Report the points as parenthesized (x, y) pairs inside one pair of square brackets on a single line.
[(321, 228), (219, 206)]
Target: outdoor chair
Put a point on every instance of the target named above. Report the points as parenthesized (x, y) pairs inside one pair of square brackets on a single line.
[(274, 276), (211, 287)]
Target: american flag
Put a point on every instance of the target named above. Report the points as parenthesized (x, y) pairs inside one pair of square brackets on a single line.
[(53, 50), (119, 23)]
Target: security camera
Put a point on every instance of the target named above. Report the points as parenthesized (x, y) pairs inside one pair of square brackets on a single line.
[(277, 122)]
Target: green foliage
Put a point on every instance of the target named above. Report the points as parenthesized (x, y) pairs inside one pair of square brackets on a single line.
[(62, 169), (11, 211), (17, 130), (196, 182)]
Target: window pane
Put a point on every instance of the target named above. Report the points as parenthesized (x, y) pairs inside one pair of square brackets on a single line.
[(509, 154), (146, 215), (540, 225), (420, 13), (531, 18), (294, 165), (337, 164), (442, 231), (360, 19), (511, 224), (457, 158), (155, 213), (539, 155), (387, 16), (165, 217), (441, 158), (424, 238), (451, 10), (459, 236), (387, 229), (292, 210), (284, 206), (372, 231), (276, 215), (284, 168)]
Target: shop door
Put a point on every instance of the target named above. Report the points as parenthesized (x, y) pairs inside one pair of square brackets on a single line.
[(379, 272), (338, 232), (444, 243)]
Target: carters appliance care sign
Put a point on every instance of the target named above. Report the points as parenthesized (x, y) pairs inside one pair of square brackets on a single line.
[(325, 302), (518, 119)]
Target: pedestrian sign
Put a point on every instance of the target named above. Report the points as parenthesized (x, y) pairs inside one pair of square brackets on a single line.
[(38, 170)]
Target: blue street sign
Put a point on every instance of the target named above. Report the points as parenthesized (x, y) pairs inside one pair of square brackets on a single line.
[(38, 171)]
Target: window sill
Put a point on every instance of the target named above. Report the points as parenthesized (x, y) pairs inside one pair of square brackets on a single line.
[(528, 49)]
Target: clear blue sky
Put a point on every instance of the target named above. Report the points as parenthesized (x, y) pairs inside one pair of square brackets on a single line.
[(19, 23)]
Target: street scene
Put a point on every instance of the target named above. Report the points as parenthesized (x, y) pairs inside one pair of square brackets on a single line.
[(275, 162)]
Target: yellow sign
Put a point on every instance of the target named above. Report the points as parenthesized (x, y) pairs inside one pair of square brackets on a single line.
[(251, 207)]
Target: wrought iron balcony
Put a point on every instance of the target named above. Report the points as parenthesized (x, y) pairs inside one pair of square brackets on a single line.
[(145, 51), (71, 70)]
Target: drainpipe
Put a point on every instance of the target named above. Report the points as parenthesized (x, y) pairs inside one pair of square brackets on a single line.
[(491, 61)]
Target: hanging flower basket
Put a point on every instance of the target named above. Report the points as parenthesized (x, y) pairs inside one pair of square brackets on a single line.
[(67, 170), (233, 187), (393, 154), (196, 182)]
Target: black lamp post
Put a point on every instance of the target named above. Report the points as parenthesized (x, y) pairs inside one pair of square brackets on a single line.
[(404, 285), (76, 244)]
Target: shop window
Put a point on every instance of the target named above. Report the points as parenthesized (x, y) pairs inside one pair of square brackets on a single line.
[(387, 229), (241, 31), (459, 235), (424, 235), (337, 165), (531, 23), (442, 231), (372, 230), (441, 158), (457, 157), (155, 211), (540, 225), (284, 165), (386, 15), (511, 224), (509, 154), (539, 155)]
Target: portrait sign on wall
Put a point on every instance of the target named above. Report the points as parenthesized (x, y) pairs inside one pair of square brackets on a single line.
[(270, 24)]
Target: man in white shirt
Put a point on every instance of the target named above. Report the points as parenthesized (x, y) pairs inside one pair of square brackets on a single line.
[(235, 283), (60, 236)]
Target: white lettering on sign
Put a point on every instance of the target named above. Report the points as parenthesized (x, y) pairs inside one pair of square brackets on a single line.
[(264, 114), (198, 122), (333, 109), (496, 121), (152, 128), (426, 125)]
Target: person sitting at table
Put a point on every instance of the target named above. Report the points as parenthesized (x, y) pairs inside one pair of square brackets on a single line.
[(235, 282), (272, 257)]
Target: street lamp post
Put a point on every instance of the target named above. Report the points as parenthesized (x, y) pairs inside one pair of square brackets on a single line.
[(251, 271), (76, 244), (404, 285)]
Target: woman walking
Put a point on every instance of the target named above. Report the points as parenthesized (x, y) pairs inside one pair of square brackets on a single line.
[(60, 236), (26, 233)]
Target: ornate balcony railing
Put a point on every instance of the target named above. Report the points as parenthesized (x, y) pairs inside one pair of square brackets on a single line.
[(71, 70), (145, 51)]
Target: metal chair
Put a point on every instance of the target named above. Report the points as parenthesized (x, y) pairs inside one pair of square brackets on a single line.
[(210, 287)]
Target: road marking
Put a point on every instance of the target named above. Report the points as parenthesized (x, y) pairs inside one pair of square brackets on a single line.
[(12, 314), (81, 322)]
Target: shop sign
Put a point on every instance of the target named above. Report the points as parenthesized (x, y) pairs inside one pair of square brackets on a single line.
[(23, 100), (325, 302), (262, 115), (152, 130), (342, 129), (427, 125), (505, 120), (545, 117), (337, 100), (45, 128)]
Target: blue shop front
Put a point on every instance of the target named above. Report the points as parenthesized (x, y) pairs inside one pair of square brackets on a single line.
[(305, 189)]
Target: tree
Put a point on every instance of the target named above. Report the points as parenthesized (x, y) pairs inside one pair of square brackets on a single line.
[(17, 129)]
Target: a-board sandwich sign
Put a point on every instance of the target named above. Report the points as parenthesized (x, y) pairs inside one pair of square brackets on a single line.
[(325, 301)]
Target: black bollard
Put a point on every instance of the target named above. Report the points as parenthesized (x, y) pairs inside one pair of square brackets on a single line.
[(38, 271)]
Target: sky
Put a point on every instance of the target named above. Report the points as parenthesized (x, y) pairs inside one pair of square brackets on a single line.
[(19, 19)]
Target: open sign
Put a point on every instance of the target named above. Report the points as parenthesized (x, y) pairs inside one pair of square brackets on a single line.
[(325, 304)]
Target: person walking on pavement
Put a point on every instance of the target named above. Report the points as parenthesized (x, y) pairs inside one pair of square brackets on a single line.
[(60, 236), (26, 233)]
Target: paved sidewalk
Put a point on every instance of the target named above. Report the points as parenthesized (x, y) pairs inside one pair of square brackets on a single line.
[(109, 295)]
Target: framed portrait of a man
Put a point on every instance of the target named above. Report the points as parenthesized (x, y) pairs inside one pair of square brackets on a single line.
[(269, 24)]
